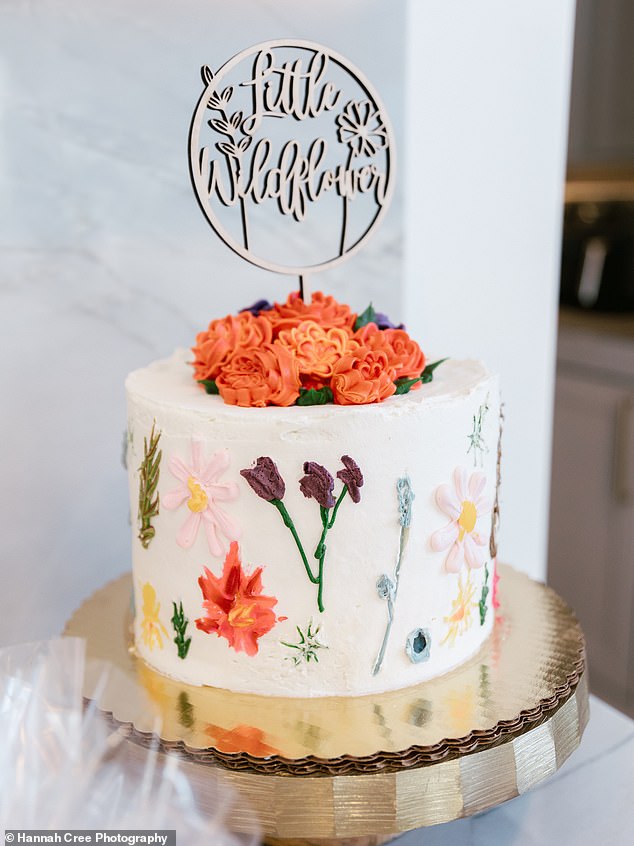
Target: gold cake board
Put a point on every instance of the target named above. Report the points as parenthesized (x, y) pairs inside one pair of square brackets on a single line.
[(361, 769)]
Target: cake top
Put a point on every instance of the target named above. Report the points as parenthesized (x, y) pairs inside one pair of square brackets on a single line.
[(169, 382)]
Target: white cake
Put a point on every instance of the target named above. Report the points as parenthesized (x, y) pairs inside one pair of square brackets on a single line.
[(223, 596)]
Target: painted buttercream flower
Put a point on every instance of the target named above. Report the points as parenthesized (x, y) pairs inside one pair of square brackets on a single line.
[(224, 338), (464, 504), (201, 489), (258, 377), (265, 479), (496, 578), (322, 309), (317, 349), (460, 618), (361, 128), (404, 354), (352, 477), (317, 483), (363, 376), (235, 607), (152, 628)]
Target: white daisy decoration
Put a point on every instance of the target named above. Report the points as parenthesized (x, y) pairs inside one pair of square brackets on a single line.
[(464, 503)]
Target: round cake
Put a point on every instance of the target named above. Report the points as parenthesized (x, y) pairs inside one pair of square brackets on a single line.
[(318, 550)]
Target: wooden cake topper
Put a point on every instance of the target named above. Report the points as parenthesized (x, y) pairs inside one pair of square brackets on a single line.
[(298, 198)]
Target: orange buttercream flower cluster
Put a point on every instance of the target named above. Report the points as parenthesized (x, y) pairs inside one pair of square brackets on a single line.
[(272, 355)]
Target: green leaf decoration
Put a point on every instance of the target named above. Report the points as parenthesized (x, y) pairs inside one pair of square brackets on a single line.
[(367, 316), (314, 396), (209, 385), (483, 598), (428, 373), (148, 482), (180, 623), (403, 386)]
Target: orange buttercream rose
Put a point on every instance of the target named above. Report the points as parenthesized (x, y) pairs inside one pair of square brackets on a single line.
[(323, 310), (267, 375), (404, 354), (223, 338), (363, 376), (317, 349)]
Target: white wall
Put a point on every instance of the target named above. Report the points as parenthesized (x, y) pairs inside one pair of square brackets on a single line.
[(107, 263), (488, 87)]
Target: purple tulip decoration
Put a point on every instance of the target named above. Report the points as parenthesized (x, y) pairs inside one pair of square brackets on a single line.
[(265, 479), (352, 477), (318, 484)]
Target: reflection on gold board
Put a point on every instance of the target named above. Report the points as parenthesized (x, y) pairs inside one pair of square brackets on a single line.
[(520, 704)]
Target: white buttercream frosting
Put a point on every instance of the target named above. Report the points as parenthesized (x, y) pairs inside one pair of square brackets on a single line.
[(423, 436)]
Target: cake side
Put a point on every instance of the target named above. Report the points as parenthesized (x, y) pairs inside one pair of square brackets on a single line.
[(252, 574)]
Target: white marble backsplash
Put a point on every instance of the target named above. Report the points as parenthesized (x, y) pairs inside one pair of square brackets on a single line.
[(106, 261)]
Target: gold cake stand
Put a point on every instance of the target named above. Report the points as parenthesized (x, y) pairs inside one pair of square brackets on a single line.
[(366, 768)]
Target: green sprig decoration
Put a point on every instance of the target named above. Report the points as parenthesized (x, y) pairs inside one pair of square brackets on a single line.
[(306, 649), (148, 482), (180, 623), (483, 598)]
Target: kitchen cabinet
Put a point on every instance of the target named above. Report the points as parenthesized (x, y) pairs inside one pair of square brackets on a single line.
[(591, 548)]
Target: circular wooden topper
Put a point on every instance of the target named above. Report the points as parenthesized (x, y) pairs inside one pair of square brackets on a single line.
[(291, 156)]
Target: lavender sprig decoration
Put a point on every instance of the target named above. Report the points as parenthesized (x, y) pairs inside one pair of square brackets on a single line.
[(387, 588)]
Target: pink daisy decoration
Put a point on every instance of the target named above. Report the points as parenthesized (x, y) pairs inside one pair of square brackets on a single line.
[(464, 504), (202, 490)]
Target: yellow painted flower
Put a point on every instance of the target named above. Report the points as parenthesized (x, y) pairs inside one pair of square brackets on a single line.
[(151, 626), (461, 616)]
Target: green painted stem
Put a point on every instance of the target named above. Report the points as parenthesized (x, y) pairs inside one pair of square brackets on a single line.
[(320, 581), (320, 551), (336, 508), (288, 522)]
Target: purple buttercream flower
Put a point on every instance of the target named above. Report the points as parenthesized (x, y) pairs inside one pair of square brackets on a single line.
[(384, 322), (352, 477), (257, 307), (265, 479), (317, 483)]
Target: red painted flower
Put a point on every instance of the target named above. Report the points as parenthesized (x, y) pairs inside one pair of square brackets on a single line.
[(234, 605)]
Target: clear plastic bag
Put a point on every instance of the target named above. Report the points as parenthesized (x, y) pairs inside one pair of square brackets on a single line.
[(63, 766)]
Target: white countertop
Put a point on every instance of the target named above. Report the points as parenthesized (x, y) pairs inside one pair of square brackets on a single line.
[(588, 802)]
